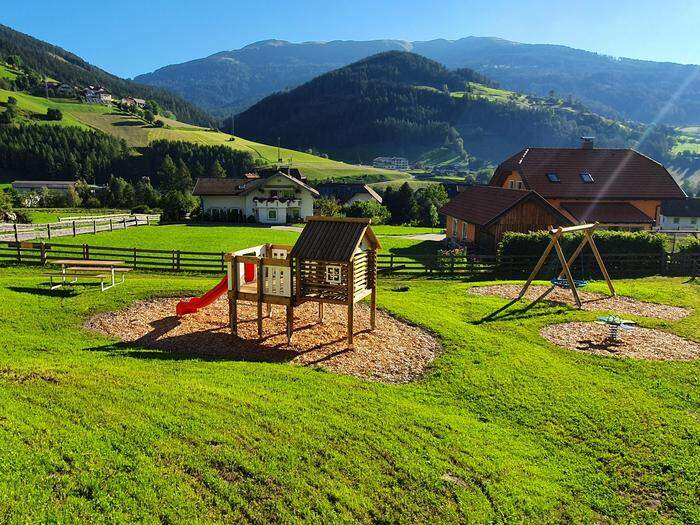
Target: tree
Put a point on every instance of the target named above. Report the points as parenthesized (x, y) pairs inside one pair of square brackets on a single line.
[(183, 179), (9, 115), (11, 101), (167, 172), (120, 193), (146, 194), (83, 190), (216, 170), (429, 200), (14, 60), (370, 209), (148, 116), (159, 123), (176, 205), (73, 200), (54, 114), (402, 204), (432, 218), (328, 207)]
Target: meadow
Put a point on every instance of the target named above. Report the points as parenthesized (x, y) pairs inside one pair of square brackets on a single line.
[(214, 238), (138, 133), (50, 215), (504, 428)]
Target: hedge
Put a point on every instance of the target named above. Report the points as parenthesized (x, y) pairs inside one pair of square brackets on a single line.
[(534, 243), (690, 245)]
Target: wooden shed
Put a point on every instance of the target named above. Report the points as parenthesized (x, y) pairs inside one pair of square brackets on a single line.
[(335, 261)]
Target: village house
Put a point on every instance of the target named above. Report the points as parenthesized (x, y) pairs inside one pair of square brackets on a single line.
[(97, 95), (619, 188), (275, 199), (391, 163), (25, 186), (480, 215), (346, 194), (131, 101), (680, 215)]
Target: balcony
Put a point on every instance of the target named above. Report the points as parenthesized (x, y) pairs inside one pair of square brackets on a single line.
[(276, 202)]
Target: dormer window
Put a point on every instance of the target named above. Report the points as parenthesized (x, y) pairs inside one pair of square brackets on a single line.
[(553, 177), (586, 177)]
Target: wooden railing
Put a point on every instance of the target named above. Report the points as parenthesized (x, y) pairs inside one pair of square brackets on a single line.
[(66, 228), (619, 265)]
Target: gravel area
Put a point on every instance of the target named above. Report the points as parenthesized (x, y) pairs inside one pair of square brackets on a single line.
[(590, 301), (639, 343), (396, 352)]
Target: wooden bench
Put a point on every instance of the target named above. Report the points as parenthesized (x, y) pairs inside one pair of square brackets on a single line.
[(62, 276), (88, 271), (90, 268)]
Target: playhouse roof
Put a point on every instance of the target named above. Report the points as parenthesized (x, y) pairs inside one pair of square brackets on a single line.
[(333, 239)]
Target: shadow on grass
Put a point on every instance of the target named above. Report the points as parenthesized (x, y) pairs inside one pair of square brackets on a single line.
[(45, 292)]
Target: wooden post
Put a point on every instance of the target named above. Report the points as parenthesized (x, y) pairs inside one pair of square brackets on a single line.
[(372, 274), (373, 308), (73, 228), (567, 272), (111, 225), (48, 229), (16, 233), (124, 223), (320, 312), (148, 220), (260, 297), (42, 248), (290, 323), (233, 299), (600, 262), (94, 225), (540, 263), (134, 257), (351, 303)]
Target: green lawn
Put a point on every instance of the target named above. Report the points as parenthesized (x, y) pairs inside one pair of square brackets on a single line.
[(44, 215), (228, 238), (506, 428), (6, 72)]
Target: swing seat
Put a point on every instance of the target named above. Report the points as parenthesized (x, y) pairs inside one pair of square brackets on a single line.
[(563, 283)]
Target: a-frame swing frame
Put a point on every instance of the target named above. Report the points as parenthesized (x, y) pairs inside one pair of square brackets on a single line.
[(556, 234)]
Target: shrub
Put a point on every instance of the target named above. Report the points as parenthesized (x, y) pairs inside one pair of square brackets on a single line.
[(141, 208), (534, 243), (176, 205), (690, 245), (54, 114), (369, 209)]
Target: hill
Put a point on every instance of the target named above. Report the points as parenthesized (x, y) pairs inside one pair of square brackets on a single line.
[(138, 134), (59, 64), (402, 103), (622, 88)]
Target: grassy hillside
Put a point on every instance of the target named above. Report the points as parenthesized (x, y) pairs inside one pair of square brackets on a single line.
[(505, 428), (138, 133)]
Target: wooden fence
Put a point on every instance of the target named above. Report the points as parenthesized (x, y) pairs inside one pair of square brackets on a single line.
[(74, 227), (619, 265)]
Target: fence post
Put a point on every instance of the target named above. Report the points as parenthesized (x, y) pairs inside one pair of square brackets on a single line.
[(134, 257), (73, 228), (178, 260), (391, 262), (42, 252), (19, 252), (48, 228), (94, 226), (172, 260), (111, 226), (16, 233), (452, 263), (124, 222), (86, 251), (223, 264)]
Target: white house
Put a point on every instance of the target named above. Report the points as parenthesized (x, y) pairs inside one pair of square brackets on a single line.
[(683, 215), (346, 194), (391, 163), (277, 199), (97, 95)]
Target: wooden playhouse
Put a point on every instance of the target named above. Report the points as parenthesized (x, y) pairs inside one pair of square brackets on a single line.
[(334, 262)]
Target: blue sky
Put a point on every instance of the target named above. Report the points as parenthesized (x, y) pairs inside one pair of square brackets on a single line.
[(131, 37)]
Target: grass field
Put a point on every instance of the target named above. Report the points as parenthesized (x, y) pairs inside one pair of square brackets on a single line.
[(506, 428), (137, 134), (231, 238), (7, 72), (687, 139), (44, 215)]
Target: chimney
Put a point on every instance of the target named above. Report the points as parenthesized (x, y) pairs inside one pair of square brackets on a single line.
[(587, 142)]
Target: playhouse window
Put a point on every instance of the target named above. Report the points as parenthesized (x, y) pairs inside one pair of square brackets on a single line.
[(333, 275), (272, 214)]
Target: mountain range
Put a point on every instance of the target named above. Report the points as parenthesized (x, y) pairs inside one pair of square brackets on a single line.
[(403, 103), (55, 62), (627, 89)]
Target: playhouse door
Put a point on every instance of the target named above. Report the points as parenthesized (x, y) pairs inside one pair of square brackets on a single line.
[(249, 272)]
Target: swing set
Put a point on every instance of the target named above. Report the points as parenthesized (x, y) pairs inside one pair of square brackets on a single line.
[(565, 279)]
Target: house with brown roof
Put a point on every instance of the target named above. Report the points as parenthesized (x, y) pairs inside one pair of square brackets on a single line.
[(276, 199), (480, 215), (346, 194), (619, 188)]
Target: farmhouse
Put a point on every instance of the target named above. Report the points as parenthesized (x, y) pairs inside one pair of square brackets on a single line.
[(24, 186), (683, 215), (620, 188), (97, 95), (277, 199), (131, 101), (480, 215), (346, 194)]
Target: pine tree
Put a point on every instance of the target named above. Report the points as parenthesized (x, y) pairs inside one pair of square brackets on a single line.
[(216, 170), (167, 172), (183, 179)]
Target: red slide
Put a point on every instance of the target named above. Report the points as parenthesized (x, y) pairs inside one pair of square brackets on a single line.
[(194, 304)]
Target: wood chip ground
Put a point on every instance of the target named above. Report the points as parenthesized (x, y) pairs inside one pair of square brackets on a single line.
[(639, 343), (590, 301), (396, 352)]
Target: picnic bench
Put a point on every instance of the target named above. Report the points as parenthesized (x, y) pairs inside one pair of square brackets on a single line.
[(91, 268)]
